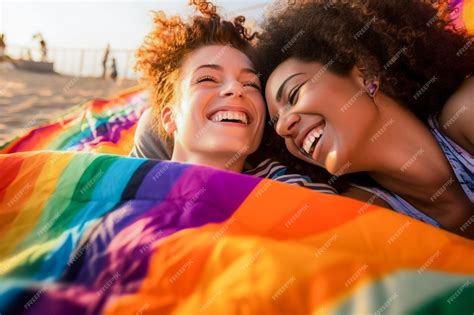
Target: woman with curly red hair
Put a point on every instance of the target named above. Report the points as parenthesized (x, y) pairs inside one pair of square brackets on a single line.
[(206, 95), (382, 88)]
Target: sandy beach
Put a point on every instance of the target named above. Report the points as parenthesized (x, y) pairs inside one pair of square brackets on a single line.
[(28, 99)]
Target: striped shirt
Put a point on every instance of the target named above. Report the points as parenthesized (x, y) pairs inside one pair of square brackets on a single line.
[(279, 172)]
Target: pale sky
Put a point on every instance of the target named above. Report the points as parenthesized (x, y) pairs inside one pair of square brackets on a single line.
[(91, 24), (77, 32)]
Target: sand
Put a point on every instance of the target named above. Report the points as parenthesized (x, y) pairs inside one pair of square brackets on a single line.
[(29, 99)]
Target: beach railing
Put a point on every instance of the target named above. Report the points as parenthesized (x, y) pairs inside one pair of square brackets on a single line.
[(79, 61)]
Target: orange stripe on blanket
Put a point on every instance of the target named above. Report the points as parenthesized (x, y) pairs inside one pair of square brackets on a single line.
[(313, 213), (468, 15), (10, 166), (19, 190)]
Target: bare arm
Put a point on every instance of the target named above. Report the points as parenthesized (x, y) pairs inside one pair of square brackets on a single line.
[(457, 117)]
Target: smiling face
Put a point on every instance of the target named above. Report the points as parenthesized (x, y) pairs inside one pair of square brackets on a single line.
[(326, 119), (221, 109)]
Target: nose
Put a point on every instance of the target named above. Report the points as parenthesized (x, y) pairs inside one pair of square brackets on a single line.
[(233, 88), (286, 125)]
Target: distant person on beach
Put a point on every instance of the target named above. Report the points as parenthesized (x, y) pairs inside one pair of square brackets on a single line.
[(43, 46), (44, 50), (114, 74), (104, 61), (3, 45)]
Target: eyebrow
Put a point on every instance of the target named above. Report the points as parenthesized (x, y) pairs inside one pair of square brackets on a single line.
[(220, 68), (282, 86), (212, 66)]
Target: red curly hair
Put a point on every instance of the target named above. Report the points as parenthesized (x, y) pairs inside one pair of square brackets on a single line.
[(161, 55)]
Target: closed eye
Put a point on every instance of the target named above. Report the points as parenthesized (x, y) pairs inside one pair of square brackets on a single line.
[(252, 84), (294, 93), (206, 78)]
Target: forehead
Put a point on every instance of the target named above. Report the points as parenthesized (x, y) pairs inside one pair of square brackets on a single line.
[(226, 56)]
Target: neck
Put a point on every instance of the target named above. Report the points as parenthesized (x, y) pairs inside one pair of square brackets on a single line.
[(405, 157), (225, 161), (407, 160)]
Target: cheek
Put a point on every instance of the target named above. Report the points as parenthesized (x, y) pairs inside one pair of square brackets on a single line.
[(259, 102), (291, 147)]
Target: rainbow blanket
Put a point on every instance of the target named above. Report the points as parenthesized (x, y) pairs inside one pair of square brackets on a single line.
[(85, 233), (464, 14), (93, 233), (101, 126)]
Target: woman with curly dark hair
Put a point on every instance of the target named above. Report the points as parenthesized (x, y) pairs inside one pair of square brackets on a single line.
[(207, 102), (382, 88)]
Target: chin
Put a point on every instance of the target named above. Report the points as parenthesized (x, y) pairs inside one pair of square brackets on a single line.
[(336, 164), (233, 146)]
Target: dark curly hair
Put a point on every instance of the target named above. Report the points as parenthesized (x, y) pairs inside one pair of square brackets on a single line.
[(406, 44), (160, 57)]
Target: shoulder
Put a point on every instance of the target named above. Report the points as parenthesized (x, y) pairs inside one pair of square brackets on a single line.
[(456, 119), (146, 144)]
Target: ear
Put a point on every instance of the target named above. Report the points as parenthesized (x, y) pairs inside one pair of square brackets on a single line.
[(167, 119), (371, 85)]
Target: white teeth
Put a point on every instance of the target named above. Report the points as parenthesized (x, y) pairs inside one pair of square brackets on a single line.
[(229, 115), (311, 137)]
